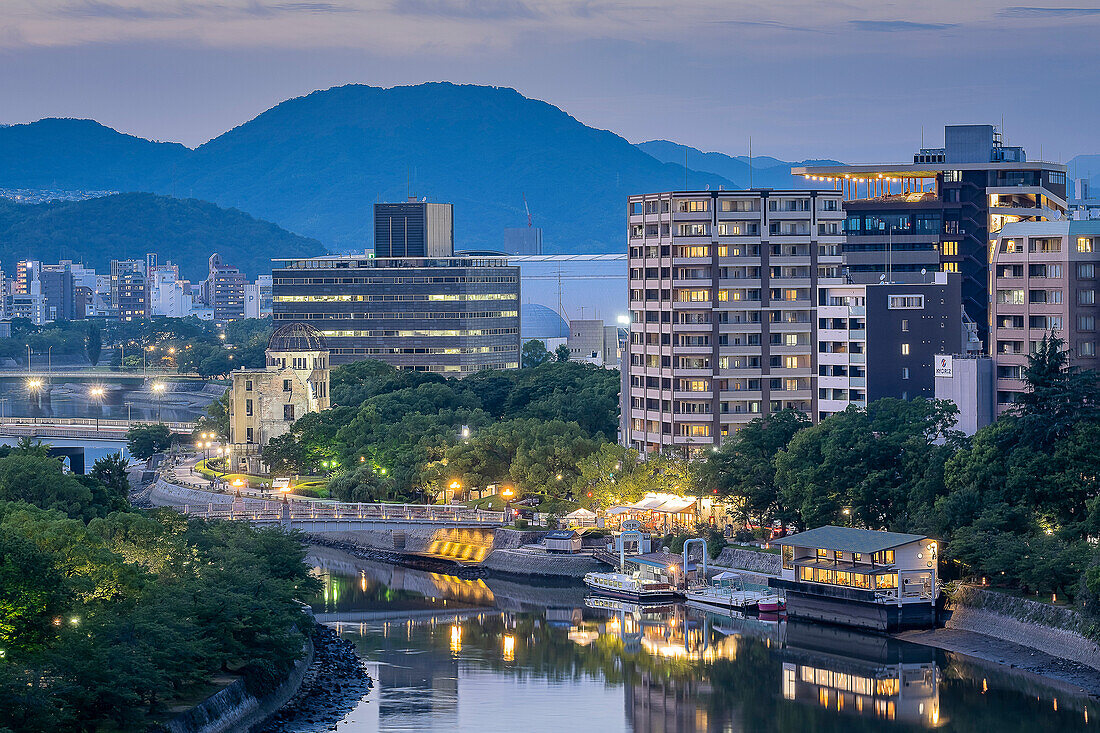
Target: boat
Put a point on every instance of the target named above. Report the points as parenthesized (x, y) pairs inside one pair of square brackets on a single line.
[(776, 606), (727, 590), (621, 585)]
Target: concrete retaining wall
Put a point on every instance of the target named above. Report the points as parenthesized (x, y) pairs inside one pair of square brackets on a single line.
[(1049, 629), (235, 709), (520, 562), (757, 562)]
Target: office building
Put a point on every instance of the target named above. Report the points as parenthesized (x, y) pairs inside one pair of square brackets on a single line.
[(522, 241), (59, 290), (31, 306), (26, 272), (454, 315), (593, 342), (967, 380), (257, 298), (1044, 280), (879, 340), (941, 211), (414, 229), (722, 328), (170, 296), (264, 403), (223, 290)]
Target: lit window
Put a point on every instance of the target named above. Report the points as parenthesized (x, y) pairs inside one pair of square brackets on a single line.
[(1084, 244), (950, 249), (905, 349)]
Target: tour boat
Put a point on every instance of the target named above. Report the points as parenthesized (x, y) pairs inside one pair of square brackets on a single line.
[(773, 606), (727, 590), (622, 585)]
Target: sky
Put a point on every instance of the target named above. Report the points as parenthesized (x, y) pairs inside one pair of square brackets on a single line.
[(848, 79)]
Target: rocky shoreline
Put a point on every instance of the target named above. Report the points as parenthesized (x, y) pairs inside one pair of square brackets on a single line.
[(333, 685)]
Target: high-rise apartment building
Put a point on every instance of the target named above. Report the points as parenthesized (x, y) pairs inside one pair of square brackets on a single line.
[(879, 340), (941, 211), (1045, 279), (223, 290), (131, 297), (414, 229), (722, 327), (454, 315), (119, 269)]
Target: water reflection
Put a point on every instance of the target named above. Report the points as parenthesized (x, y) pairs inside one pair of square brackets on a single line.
[(480, 655)]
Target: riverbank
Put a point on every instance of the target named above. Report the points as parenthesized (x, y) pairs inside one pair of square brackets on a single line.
[(332, 687)]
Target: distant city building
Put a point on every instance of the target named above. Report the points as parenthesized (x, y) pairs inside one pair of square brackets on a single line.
[(120, 268), (523, 241), (31, 306), (169, 296), (454, 315), (223, 290), (722, 287), (968, 381), (414, 229), (59, 291), (541, 323), (130, 295), (1044, 280), (879, 340), (26, 272), (264, 403), (257, 298), (576, 286), (593, 342), (1085, 203), (941, 211)]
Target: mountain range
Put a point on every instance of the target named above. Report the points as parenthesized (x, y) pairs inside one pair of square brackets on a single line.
[(316, 165), (129, 225)]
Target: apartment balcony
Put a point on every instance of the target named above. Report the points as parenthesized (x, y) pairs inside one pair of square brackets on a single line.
[(740, 394), (695, 283), (857, 334), (692, 350), (739, 327), (692, 327), (832, 334), (857, 358), (857, 381)]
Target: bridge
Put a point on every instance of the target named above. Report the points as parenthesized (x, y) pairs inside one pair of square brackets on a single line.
[(343, 517), (98, 375), (79, 427)]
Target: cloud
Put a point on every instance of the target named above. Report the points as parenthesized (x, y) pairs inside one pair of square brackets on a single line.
[(898, 25), (103, 9), (1028, 12), (467, 9)]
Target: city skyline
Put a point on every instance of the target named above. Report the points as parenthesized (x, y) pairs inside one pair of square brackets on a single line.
[(803, 81)]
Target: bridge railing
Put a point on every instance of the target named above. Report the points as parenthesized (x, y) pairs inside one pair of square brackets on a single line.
[(278, 511), (91, 422)]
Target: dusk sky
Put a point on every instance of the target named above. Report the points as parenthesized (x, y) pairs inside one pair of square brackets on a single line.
[(850, 79)]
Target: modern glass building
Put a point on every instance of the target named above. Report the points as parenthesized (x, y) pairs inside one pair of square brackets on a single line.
[(454, 315)]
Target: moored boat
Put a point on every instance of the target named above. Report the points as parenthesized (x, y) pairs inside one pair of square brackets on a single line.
[(727, 590), (621, 585)]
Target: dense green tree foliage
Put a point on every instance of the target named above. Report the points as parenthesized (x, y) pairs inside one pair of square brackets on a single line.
[(534, 353), (145, 440), (107, 616)]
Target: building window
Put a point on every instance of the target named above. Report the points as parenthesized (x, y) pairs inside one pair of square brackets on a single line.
[(288, 413), (1086, 297), (950, 249), (248, 385), (248, 435), (1084, 244), (248, 408), (1086, 270), (905, 349), (905, 372), (286, 385), (906, 302), (1086, 323), (1086, 348), (690, 206), (950, 267), (904, 324), (788, 557)]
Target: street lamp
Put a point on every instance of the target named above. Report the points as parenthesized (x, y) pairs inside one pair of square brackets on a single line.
[(96, 393), (455, 488), (158, 390), (507, 493)]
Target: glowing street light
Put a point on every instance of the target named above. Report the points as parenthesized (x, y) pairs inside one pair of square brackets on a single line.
[(96, 393), (455, 488)]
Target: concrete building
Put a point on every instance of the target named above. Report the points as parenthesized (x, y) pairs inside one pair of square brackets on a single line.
[(223, 290), (170, 296), (593, 342), (722, 330), (265, 402), (522, 241), (130, 295), (454, 315), (257, 298), (968, 381), (1085, 203), (120, 268), (879, 340), (1044, 279), (576, 286), (414, 229), (941, 211), (59, 290)]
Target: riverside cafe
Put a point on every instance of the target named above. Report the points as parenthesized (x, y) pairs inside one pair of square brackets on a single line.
[(660, 512)]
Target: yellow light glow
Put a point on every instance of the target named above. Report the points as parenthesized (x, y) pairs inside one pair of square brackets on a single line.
[(456, 639), (509, 648)]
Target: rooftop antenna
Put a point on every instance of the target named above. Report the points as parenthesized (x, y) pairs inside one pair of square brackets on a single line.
[(528, 210)]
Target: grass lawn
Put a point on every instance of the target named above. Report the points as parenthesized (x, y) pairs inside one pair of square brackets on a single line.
[(312, 486)]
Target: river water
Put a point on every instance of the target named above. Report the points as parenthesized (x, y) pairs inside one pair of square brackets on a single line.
[(487, 655), (180, 402)]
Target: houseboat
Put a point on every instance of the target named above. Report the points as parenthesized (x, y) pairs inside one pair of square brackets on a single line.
[(886, 581)]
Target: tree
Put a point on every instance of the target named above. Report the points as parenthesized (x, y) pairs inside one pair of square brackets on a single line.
[(561, 353), (284, 454), (34, 593), (110, 471), (145, 440), (364, 484), (38, 480), (534, 353), (1056, 395), (95, 343), (744, 468)]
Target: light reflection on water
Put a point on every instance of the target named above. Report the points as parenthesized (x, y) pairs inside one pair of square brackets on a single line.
[(484, 655)]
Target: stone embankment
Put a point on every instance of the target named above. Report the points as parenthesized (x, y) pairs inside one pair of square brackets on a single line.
[(332, 687), (522, 562), (1055, 630)]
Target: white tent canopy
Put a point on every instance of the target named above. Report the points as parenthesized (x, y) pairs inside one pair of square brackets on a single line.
[(581, 514)]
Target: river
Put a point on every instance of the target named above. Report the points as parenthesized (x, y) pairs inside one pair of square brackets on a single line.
[(180, 401), (487, 655)]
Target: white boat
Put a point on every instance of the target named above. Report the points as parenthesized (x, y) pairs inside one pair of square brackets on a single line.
[(621, 585), (727, 590)]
